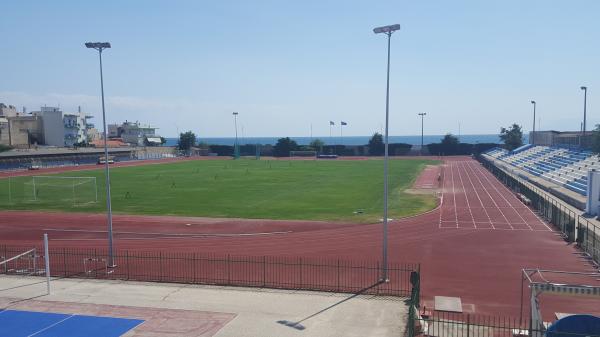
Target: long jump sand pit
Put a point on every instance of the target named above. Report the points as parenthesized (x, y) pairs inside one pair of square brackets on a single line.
[(194, 311)]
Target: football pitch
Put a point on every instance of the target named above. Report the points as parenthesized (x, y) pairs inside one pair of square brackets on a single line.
[(340, 190)]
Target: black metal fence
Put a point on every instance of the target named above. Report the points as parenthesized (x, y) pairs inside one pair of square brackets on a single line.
[(573, 226), (229, 270), (449, 324)]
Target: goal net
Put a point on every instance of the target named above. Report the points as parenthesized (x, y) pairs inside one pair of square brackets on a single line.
[(305, 154), (74, 190)]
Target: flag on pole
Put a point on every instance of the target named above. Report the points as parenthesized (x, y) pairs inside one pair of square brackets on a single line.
[(344, 123), (331, 123)]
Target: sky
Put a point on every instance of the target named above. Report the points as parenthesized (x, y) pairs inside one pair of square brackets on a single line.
[(285, 66)]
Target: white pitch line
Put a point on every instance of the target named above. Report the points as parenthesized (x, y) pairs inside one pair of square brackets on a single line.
[(511, 193), (454, 194), (494, 201), (182, 235), (481, 202), (467, 198)]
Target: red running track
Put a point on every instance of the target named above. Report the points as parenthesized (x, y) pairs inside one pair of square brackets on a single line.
[(473, 246)]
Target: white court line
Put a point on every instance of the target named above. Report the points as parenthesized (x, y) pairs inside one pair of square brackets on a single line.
[(494, 201), (52, 325), (169, 234), (467, 198), (480, 201), (496, 229), (503, 197), (487, 223), (511, 193), (443, 192), (454, 194)]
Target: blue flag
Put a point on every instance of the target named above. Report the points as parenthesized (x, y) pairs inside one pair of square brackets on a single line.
[(331, 123), (344, 123)]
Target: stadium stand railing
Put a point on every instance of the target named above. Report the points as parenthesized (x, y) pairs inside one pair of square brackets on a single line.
[(301, 273), (566, 167), (573, 227)]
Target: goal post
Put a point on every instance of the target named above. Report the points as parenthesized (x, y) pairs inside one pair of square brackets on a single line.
[(51, 189), (303, 154)]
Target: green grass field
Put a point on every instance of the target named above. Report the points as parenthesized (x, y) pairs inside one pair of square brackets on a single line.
[(270, 189)]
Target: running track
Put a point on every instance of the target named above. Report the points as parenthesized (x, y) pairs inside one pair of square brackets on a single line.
[(473, 246)]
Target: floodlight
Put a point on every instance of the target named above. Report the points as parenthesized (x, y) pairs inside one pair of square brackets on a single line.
[(386, 29), (532, 102), (583, 88), (97, 45)]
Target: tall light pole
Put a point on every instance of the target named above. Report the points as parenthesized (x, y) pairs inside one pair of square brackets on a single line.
[(532, 141), (100, 46), (236, 148), (422, 114), (387, 30), (584, 113)]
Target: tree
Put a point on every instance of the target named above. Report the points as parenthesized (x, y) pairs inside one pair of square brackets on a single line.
[(512, 137), (449, 144), (186, 141), (317, 145), (284, 146), (596, 139), (376, 146)]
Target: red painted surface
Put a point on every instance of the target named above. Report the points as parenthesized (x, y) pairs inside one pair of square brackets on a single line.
[(473, 246), (428, 179)]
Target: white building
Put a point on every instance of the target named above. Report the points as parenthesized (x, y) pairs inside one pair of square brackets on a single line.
[(64, 129), (134, 133), (53, 128), (8, 110), (76, 128)]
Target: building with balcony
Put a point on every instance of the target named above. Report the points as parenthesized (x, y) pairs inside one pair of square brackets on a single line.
[(7, 111), (135, 134)]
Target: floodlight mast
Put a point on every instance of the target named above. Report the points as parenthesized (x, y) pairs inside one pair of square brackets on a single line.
[(100, 46), (236, 148), (533, 133), (584, 88), (387, 30), (422, 114)]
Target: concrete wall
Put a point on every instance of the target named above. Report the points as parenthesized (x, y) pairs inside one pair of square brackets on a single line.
[(54, 129), (4, 132), (26, 128)]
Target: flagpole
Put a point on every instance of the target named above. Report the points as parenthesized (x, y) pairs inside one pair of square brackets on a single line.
[(330, 137)]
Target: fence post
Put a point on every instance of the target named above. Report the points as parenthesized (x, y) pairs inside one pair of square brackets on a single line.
[(228, 271), (6, 257), (338, 275), (301, 284), (468, 324), (264, 270), (64, 253), (127, 262), (194, 267), (160, 264)]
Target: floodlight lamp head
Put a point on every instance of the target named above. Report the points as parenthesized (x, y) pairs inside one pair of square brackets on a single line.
[(584, 88), (235, 113), (386, 29), (97, 45), (532, 102)]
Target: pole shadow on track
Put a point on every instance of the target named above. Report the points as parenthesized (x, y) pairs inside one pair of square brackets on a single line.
[(298, 324)]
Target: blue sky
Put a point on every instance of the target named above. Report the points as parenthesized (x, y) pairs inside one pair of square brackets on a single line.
[(284, 65)]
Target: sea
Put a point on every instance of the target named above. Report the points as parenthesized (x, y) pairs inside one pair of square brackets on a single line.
[(346, 140)]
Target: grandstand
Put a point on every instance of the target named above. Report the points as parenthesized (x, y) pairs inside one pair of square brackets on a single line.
[(563, 166)]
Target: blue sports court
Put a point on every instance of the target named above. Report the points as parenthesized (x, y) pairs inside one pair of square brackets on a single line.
[(15, 323)]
